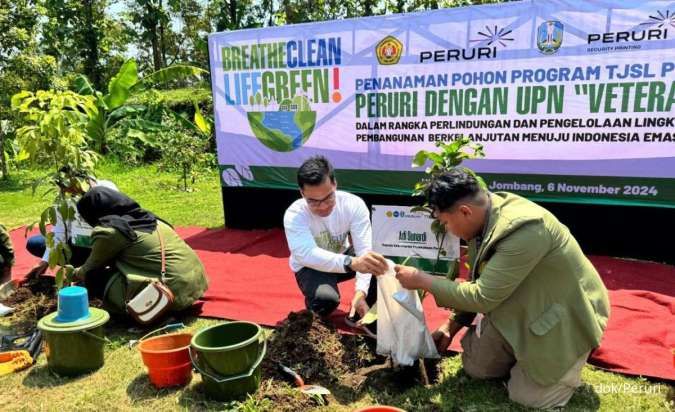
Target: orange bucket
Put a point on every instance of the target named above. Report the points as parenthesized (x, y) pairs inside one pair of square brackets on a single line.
[(167, 358), (379, 408)]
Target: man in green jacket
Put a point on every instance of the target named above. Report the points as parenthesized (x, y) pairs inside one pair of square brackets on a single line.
[(543, 305), (6, 256)]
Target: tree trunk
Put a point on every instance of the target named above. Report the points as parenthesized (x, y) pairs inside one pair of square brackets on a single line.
[(271, 13), (151, 26), (234, 24), (185, 172), (3, 162), (162, 42), (91, 51)]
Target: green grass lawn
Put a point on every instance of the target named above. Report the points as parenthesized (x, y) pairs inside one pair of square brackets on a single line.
[(122, 383), (154, 190)]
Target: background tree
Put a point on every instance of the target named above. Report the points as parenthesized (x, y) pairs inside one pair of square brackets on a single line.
[(22, 67), (116, 108), (84, 38), (151, 19), (55, 137)]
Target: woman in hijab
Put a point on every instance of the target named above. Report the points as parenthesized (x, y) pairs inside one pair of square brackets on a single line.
[(127, 238)]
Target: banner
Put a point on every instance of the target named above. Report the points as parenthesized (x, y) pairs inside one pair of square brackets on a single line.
[(397, 231), (573, 101)]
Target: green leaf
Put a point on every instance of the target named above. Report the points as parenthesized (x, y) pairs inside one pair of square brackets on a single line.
[(50, 240), (200, 122), (435, 157), (22, 155), (54, 255), (52, 216), (63, 211), (44, 218), (60, 278), (437, 227), (70, 272), (137, 134), (169, 74), (121, 84), (83, 86), (183, 121), (18, 98), (143, 125), (125, 111), (420, 158), (29, 229), (67, 252)]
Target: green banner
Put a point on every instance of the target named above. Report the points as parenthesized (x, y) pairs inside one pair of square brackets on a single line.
[(609, 190)]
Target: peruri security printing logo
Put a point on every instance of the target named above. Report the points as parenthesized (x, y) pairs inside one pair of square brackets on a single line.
[(655, 28), (550, 36), (277, 84), (389, 50)]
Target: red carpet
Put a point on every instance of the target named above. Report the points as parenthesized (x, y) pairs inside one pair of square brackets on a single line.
[(250, 280)]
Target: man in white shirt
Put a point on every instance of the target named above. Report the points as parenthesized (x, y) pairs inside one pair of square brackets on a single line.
[(330, 239), (77, 235)]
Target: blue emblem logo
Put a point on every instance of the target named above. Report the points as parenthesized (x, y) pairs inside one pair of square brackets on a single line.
[(550, 36)]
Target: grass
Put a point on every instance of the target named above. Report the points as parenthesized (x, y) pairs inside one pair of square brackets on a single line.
[(154, 190), (122, 383)]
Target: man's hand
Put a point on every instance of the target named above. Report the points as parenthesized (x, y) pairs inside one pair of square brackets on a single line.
[(411, 278), (359, 304), (444, 334), (38, 270), (370, 262)]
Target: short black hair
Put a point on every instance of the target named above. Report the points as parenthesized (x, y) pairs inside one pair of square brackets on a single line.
[(446, 189), (314, 171)]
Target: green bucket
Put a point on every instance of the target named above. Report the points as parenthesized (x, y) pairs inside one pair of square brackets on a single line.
[(74, 348), (228, 356)]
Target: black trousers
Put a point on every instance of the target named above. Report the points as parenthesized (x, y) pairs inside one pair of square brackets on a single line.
[(321, 291)]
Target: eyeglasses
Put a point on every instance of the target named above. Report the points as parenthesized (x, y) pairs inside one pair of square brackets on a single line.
[(318, 202)]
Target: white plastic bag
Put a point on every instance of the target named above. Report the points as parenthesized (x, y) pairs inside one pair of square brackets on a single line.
[(400, 333)]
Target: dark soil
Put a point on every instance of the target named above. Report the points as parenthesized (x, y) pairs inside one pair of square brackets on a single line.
[(33, 300), (315, 350), (345, 364)]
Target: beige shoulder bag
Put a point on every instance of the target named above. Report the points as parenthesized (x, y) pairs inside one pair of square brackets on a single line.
[(151, 303)]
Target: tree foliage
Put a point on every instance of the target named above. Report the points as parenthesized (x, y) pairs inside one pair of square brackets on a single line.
[(22, 67)]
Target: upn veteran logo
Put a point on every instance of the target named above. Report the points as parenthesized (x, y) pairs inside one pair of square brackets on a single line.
[(389, 50), (550, 36)]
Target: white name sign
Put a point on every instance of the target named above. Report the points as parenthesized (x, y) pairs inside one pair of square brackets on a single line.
[(399, 232)]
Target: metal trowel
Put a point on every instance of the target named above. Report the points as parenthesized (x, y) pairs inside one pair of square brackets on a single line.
[(300, 383)]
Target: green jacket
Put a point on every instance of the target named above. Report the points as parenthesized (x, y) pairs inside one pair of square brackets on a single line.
[(139, 262), (6, 249), (535, 284)]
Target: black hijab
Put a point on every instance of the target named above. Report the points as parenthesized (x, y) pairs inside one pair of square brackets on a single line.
[(102, 206)]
